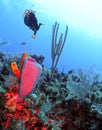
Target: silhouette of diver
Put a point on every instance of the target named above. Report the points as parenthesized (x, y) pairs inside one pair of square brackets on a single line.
[(31, 21)]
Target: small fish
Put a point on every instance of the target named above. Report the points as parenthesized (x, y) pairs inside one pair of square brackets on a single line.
[(23, 43), (4, 42)]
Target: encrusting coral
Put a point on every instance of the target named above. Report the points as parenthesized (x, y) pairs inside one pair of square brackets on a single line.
[(48, 106), (59, 101)]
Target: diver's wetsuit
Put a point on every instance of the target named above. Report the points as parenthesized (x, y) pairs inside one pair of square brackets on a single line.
[(31, 21)]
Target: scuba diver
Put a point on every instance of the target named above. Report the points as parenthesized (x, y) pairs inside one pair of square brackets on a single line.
[(31, 21)]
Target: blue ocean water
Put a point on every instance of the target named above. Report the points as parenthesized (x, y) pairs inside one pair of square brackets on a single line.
[(83, 47)]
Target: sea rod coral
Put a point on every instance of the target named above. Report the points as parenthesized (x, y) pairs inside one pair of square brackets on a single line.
[(57, 45)]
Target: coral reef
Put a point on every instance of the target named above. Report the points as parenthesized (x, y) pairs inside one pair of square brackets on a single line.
[(56, 104)]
